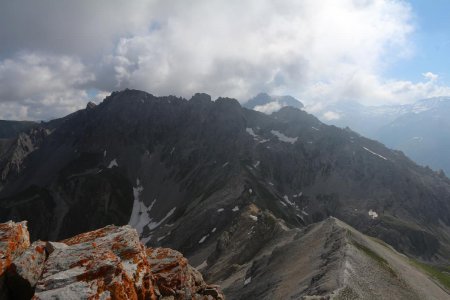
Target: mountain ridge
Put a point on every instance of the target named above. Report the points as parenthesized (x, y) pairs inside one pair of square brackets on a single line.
[(183, 171)]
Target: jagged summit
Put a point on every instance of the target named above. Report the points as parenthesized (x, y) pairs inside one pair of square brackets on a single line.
[(90, 105)]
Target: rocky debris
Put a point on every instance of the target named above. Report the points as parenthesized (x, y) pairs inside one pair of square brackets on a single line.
[(14, 240), (108, 263), (25, 271), (175, 278)]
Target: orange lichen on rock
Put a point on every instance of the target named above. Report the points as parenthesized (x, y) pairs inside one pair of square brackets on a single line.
[(174, 277), (26, 270), (14, 240), (108, 263)]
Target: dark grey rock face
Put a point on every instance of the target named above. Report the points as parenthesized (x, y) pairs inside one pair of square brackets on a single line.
[(182, 171)]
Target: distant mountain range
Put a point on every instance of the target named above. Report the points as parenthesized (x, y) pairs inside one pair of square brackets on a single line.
[(421, 130), (253, 200), (11, 129)]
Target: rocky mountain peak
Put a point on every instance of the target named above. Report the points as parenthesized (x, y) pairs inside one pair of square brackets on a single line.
[(90, 105), (200, 98)]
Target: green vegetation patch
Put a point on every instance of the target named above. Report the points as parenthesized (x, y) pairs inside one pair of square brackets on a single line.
[(441, 274), (380, 260)]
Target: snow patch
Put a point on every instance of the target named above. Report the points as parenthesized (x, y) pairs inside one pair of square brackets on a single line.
[(213, 230), (286, 199), (315, 128), (171, 151), (104, 153), (140, 212), (247, 281), (373, 214), (220, 210), (283, 138), (236, 208), (154, 225), (203, 265), (254, 218), (256, 164), (225, 164), (163, 237), (250, 191), (283, 203), (298, 195), (251, 132), (113, 163), (376, 154), (203, 239)]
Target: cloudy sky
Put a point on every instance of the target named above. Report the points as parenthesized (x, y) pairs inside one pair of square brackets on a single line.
[(57, 55)]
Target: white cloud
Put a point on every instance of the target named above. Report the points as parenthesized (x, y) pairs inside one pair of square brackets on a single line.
[(318, 51), (237, 48), (39, 86), (430, 76), (331, 115), (269, 107)]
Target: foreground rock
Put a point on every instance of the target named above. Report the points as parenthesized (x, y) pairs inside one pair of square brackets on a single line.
[(14, 240), (109, 263), (106, 263), (175, 278), (25, 271)]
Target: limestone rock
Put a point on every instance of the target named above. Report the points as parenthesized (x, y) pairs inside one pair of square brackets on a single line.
[(108, 263), (176, 279), (25, 271), (14, 239), (105, 263)]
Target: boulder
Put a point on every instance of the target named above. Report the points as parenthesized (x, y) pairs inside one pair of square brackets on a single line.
[(175, 279), (14, 240), (25, 271), (105, 263)]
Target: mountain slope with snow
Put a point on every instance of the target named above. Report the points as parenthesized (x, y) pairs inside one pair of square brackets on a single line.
[(184, 171)]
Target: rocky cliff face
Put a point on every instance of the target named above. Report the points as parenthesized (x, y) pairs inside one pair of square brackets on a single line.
[(109, 263)]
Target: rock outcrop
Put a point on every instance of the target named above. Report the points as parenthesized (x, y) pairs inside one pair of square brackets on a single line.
[(14, 240), (108, 263), (176, 279), (25, 271)]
